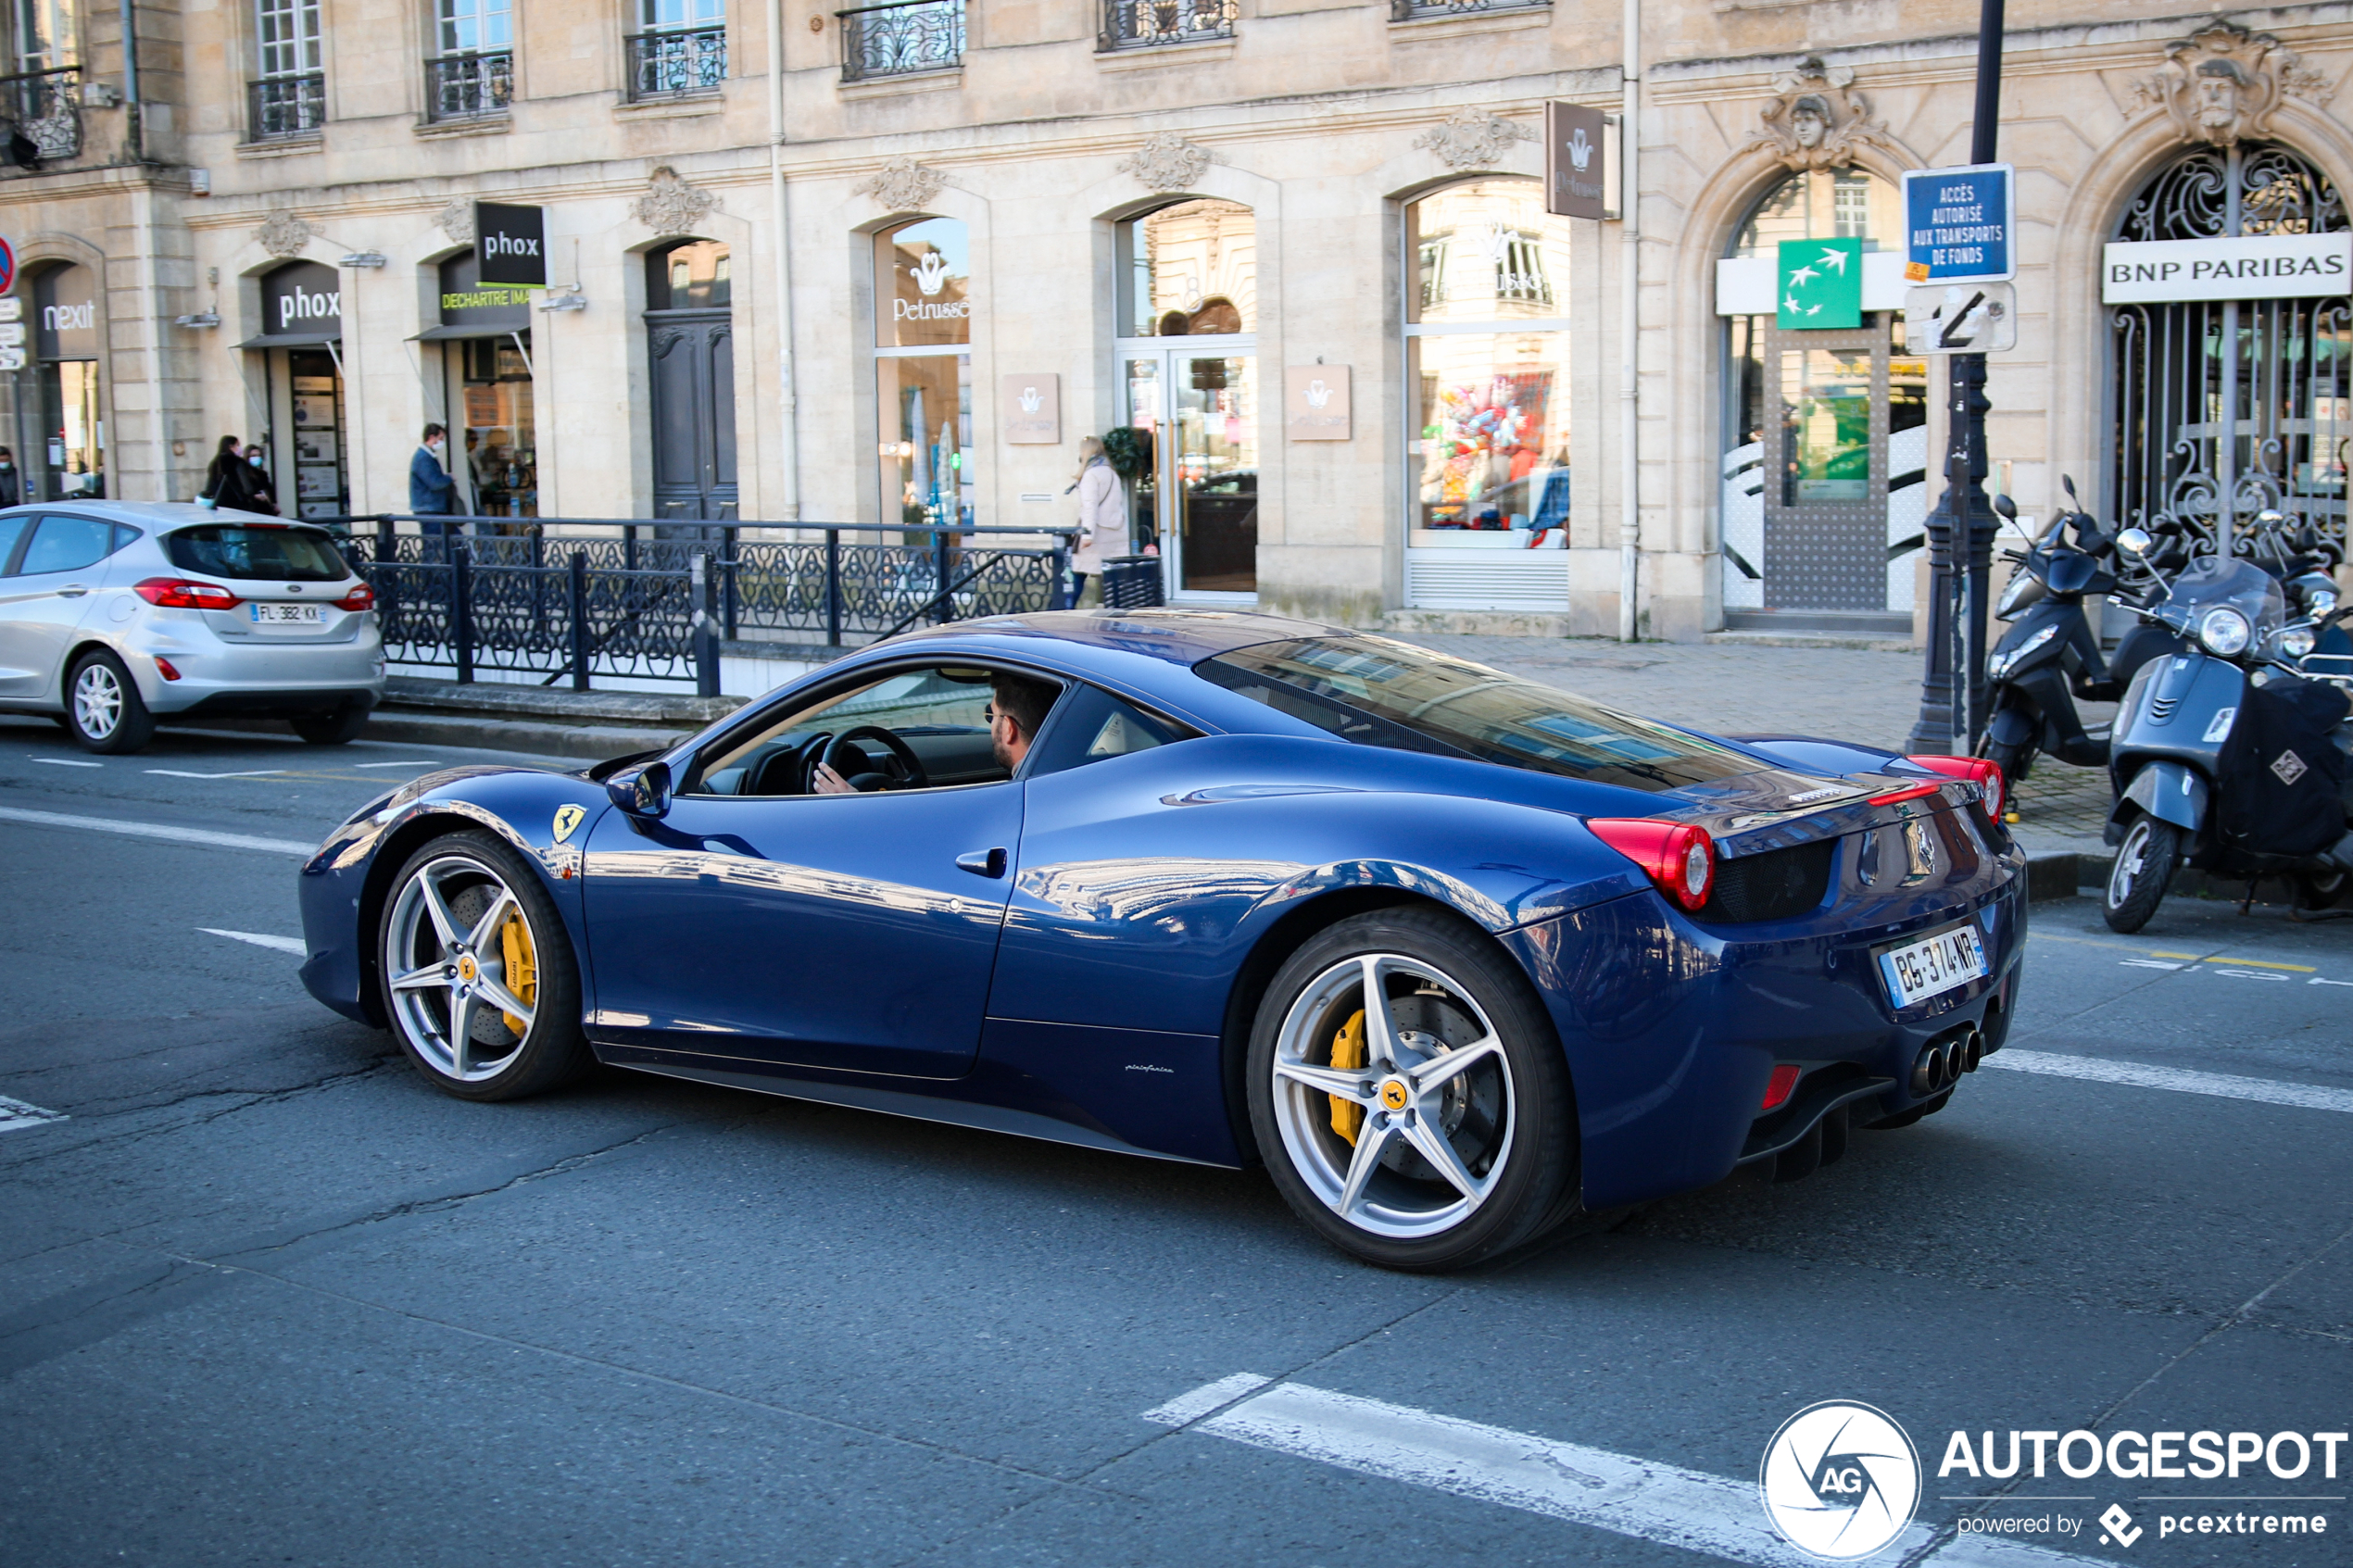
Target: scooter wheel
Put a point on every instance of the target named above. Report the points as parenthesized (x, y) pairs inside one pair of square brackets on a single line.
[(2016, 762), (2144, 870)]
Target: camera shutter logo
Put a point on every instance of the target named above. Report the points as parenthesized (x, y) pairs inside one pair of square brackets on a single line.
[(1840, 1480)]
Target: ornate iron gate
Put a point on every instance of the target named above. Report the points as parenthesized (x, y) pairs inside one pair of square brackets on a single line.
[(2223, 408)]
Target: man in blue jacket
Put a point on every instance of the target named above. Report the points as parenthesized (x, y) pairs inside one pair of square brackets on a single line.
[(432, 492)]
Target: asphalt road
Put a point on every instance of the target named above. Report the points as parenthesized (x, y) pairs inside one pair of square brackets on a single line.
[(267, 1298)]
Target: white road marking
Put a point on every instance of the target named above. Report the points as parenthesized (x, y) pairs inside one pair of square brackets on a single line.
[(282, 944), (16, 1114), (1627, 1496), (64, 762), (426, 765), (2226, 1085), (184, 773), (157, 830)]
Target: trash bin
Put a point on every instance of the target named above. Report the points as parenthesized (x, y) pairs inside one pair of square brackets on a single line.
[(1132, 583)]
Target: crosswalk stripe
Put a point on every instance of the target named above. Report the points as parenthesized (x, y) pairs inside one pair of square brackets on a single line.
[(169, 831), (2182, 1080)]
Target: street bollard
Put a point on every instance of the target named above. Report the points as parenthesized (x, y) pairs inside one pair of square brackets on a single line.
[(699, 587)]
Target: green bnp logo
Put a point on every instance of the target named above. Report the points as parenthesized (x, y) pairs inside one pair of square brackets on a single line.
[(1821, 284)]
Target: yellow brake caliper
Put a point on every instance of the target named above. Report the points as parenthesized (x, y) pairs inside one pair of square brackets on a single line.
[(1348, 1054), (522, 974)]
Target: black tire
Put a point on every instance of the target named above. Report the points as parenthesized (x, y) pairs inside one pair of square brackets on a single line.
[(338, 728), (104, 710), (2144, 869), (2317, 891), (468, 870), (1508, 1119), (2016, 762)]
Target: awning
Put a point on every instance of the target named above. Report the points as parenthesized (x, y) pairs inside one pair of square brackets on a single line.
[(292, 340), (450, 335)]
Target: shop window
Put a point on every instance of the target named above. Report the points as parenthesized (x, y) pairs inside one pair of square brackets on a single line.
[(66, 344), (1190, 271), (922, 373), (1487, 369)]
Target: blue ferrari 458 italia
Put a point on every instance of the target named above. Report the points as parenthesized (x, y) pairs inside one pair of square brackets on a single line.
[(1457, 956)]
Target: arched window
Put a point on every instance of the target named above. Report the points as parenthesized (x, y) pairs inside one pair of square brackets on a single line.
[(1825, 431), (2274, 371), (923, 371), (1487, 370)]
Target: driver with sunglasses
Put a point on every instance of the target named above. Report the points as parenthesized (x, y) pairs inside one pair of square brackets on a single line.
[(1017, 706)]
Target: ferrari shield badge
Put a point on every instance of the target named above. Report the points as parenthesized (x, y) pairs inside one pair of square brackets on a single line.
[(567, 819)]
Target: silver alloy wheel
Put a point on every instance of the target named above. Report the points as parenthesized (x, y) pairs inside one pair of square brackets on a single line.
[(447, 963), (1432, 1098), (97, 700), (2131, 863)]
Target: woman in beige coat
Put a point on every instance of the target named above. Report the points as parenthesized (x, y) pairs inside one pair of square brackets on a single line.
[(1102, 517)]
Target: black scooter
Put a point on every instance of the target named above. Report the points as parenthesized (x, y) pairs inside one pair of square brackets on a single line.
[(2050, 658)]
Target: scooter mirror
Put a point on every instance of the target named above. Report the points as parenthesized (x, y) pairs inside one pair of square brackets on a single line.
[(2007, 507), (2134, 541), (2268, 517), (2067, 483)]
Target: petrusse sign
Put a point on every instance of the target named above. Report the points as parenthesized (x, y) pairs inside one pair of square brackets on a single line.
[(1961, 224), (512, 243)]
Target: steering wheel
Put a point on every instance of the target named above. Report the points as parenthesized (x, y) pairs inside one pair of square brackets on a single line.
[(785, 771), (843, 747)]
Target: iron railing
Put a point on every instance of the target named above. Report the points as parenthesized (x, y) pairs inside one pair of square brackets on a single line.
[(678, 64), (45, 108), (1415, 11), (903, 39), (1141, 24), (653, 601), (280, 107), (468, 86)]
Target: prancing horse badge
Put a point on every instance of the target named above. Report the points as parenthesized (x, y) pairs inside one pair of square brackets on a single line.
[(567, 819)]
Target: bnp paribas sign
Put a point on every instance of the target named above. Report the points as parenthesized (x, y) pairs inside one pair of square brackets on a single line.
[(2249, 267), (511, 244)]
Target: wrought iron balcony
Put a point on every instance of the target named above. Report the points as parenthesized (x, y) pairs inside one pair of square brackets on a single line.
[(1420, 10), (1141, 24), (278, 108), (901, 40), (461, 87), (43, 111), (676, 64)]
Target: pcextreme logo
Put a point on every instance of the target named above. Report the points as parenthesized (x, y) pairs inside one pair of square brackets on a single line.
[(1840, 1480)]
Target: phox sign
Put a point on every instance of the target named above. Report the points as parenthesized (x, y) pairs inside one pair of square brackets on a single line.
[(302, 300), (1960, 224), (2258, 267), (512, 244)]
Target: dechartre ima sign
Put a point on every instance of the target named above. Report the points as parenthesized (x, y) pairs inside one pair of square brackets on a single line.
[(2257, 267), (511, 244)]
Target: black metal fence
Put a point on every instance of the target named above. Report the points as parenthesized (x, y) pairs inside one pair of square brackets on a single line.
[(901, 39), (653, 601)]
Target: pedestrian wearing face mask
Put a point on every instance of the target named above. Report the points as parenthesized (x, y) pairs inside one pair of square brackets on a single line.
[(11, 487), (228, 480), (259, 498)]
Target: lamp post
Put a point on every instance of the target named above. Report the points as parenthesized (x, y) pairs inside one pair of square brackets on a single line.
[(1961, 529)]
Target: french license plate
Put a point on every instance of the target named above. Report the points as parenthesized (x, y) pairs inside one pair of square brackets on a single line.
[(286, 615), (1933, 965)]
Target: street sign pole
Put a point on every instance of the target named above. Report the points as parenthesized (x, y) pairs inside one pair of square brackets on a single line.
[(1961, 529)]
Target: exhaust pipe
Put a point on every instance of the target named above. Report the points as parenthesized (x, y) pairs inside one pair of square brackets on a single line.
[(1929, 1071), (1972, 1050)]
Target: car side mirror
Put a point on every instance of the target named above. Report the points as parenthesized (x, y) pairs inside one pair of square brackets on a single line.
[(2134, 542), (2007, 507), (642, 791)]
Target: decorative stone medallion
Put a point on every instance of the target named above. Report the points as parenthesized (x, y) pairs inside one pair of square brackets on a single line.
[(2223, 84), (904, 185), (671, 206), (1166, 162), (1816, 119), (456, 220), (283, 235), (1474, 139)]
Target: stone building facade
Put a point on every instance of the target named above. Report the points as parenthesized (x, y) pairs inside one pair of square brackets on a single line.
[(891, 263)]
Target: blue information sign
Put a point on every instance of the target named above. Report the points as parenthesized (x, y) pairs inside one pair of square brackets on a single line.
[(1960, 224)]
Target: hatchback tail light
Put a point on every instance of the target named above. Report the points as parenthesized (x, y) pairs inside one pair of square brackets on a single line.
[(1679, 857), (172, 592), (1978, 770), (360, 597)]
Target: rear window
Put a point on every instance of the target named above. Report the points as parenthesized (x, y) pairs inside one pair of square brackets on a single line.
[(229, 550), (1375, 692)]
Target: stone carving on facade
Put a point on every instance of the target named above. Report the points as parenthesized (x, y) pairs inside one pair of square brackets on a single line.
[(1167, 162), (671, 206), (1816, 119), (283, 235), (1474, 139), (456, 220), (904, 185), (2222, 84)]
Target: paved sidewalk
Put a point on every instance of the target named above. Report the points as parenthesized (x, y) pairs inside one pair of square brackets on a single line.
[(1845, 694)]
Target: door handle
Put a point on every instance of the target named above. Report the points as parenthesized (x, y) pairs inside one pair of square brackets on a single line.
[(983, 862), (72, 591)]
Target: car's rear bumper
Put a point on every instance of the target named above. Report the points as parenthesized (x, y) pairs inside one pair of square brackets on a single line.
[(216, 676), (1672, 1029)]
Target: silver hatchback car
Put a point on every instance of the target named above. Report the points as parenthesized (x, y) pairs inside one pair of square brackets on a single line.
[(114, 614)]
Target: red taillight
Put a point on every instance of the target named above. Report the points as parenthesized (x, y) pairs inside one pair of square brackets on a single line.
[(361, 597), (1978, 770), (1782, 1085), (1913, 793), (1679, 857), (172, 593), (164, 669)]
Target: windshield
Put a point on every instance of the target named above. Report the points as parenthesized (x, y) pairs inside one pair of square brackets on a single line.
[(234, 550), (1375, 692), (2212, 581)]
